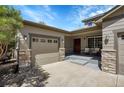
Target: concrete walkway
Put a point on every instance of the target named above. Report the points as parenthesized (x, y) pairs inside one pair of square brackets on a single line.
[(68, 74), (91, 61)]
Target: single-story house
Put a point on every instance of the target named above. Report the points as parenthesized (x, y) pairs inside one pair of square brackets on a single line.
[(104, 31)]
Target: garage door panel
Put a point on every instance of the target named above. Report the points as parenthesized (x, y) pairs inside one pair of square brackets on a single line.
[(42, 59), (122, 43), (121, 59), (121, 53), (121, 47), (48, 46), (44, 48), (121, 69)]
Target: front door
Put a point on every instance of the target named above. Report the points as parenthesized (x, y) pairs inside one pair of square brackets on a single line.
[(121, 53), (77, 46)]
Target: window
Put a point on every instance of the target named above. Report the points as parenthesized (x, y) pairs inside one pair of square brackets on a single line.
[(98, 42), (95, 42), (42, 40), (35, 39), (90, 42), (122, 37), (49, 41), (55, 41)]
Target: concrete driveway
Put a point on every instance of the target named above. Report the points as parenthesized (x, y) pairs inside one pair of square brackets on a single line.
[(68, 74)]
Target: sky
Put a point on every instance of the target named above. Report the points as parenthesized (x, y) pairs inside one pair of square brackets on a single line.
[(67, 17)]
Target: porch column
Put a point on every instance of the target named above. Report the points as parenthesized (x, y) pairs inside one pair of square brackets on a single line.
[(109, 61), (61, 49)]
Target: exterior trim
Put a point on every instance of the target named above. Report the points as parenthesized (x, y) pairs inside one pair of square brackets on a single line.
[(109, 13), (45, 36), (86, 29), (115, 17)]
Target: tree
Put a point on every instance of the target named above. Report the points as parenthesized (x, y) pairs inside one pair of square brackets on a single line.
[(10, 22)]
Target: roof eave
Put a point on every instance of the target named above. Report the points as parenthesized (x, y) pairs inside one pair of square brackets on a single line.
[(107, 14), (85, 29), (26, 22)]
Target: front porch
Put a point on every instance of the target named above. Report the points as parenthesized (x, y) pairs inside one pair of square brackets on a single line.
[(84, 48), (88, 42)]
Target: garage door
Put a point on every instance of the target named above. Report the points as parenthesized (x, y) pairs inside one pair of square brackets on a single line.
[(44, 45), (44, 49), (121, 53)]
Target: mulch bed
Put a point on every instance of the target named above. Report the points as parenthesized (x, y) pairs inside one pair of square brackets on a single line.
[(26, 77)]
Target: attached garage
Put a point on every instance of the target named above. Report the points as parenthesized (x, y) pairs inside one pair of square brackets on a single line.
[(45, 49), (44, 44), (121, 53)]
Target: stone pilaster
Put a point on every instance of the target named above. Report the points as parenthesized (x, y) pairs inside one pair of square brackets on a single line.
[(61, 54), (109, 61), (29, 55)]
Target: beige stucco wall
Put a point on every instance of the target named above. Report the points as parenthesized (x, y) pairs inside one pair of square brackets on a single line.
[(68, 44), (110, 28)]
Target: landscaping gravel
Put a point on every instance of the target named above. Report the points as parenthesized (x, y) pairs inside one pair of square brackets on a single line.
[(26, 77)]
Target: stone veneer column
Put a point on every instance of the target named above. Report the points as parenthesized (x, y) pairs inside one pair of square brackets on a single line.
[(29, 56), (62, 49), (109, 61), (61, 54)]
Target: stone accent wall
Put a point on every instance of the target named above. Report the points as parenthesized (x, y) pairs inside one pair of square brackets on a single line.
[(25, 57), (61, 54), (109, 40), (109, 61)]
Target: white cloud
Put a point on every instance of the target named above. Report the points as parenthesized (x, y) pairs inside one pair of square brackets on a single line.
[(47, 11), (46, 7), (83, 12), (40, 14), (33, 15)]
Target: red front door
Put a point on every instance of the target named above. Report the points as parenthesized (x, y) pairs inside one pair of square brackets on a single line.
[(77, 46)]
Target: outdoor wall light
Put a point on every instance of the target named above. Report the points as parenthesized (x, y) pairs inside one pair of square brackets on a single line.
[(62, 40), (106, 39), (25, 38)]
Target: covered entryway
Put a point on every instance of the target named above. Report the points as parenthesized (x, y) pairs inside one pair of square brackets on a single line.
[(44, 48), (121, 53), (77, 46)]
